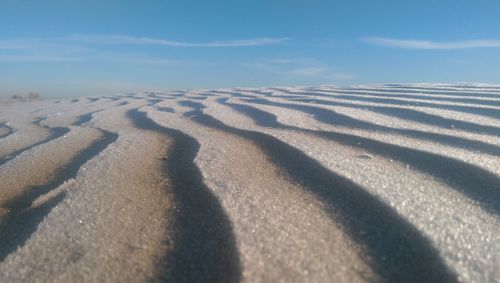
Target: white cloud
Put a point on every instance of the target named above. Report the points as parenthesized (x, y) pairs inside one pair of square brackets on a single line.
[(426, 44), (74, 48), (125, 39)]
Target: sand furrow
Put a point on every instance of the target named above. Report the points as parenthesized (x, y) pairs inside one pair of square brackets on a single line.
[(204, 248), (417, 114), (367, 183), (270, 215), (436, 120), (361, 216), (326, 115), (27, 138), (5, 130), (40, 175), (463, 176), (410, 196), (348, 120), (77, 115), (445, 113), (487, 111), (479, 91), (470, 100), (468, 121), (111, 223), (482, 111)]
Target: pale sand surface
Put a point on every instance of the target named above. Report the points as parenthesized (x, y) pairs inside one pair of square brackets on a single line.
[(368, 183)]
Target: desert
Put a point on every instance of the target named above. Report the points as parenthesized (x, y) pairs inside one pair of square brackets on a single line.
[(361, 183)]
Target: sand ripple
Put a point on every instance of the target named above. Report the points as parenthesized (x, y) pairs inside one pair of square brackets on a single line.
[(369, 183)]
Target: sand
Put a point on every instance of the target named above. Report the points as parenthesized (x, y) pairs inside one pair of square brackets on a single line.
[(368, 183)]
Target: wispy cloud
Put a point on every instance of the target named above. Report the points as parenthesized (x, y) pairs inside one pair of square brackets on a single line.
[(87, 44), (130, 40), (88, 48), (426, 44)]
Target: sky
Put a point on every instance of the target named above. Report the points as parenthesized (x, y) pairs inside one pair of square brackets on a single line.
[(96, 47)]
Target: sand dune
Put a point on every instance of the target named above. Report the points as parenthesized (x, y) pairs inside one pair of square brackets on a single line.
[(369, 183)]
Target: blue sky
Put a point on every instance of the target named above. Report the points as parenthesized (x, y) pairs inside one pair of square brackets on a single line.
[(91, 47)]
